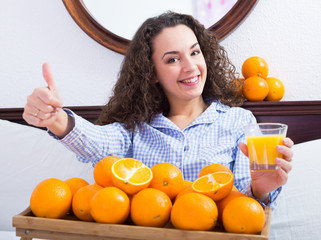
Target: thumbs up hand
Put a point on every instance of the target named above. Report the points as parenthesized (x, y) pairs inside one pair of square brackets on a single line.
[(44, 104)]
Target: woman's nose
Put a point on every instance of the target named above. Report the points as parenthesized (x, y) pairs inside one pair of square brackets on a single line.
[(189, 65)]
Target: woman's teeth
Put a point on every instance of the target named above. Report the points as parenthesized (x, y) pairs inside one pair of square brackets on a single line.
[(194, 79)]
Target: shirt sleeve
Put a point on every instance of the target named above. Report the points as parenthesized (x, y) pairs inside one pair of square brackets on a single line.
[(92, 143), (269, 201)]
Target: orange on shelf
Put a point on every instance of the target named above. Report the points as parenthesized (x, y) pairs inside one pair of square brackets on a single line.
[(255, 66), (276, 89), (255, 89), (237, 84)]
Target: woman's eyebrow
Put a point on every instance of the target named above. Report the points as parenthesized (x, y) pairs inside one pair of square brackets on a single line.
[(175, 52), (195, 44)]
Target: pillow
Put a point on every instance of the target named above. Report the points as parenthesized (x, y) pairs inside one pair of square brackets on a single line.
[(298, 211), (29, 155)]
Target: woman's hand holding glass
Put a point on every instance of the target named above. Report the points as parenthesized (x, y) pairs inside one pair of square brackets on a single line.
[(264, 182)]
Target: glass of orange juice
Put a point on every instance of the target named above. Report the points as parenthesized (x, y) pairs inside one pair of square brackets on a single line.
[(262, 139)]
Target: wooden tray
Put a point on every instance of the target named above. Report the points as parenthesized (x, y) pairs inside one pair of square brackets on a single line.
[(28, 227)]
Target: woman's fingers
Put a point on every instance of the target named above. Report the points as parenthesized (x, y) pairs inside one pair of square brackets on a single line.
[(284, 164), (243, 148), (42, 99), (34, 100), (286, 151), (46, 96), (288, 142), (38, 118)]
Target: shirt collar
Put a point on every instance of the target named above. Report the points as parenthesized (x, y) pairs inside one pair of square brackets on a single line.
[(208, 116)]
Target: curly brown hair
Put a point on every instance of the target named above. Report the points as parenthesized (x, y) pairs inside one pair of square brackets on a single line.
[(137, 97)]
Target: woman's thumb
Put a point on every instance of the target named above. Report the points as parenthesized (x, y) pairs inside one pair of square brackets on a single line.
[(47, 74), (53, 88)]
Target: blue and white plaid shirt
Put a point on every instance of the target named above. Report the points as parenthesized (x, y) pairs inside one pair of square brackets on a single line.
[(213, 137)]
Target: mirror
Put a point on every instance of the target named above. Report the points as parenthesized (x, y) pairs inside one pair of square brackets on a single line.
[(118, 41)]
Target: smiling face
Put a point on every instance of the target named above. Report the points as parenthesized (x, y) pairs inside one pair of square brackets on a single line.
[(179, 63)]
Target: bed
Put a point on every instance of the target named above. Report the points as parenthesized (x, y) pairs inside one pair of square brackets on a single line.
[(28, 155)]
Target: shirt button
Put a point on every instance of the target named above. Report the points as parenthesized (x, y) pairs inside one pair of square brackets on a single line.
[(178, 164)]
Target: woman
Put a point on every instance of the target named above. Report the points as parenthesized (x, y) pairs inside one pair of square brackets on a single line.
[(174, 101)]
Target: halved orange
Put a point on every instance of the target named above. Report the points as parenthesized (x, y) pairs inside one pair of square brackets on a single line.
[(131, 175), (212, 168), (215, 185)]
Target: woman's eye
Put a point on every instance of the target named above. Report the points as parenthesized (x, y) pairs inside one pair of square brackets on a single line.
[(172, 60), (196, 52)]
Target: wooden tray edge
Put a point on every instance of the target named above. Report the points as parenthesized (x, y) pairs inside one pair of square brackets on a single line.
[(25, 221)]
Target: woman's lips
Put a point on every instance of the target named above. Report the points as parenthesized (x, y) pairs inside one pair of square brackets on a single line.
[(191, 81)]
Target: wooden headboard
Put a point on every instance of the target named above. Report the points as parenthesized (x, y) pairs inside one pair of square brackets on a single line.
[(302, 117)]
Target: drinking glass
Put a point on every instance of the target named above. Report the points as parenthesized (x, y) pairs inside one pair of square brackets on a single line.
[(262, 139)]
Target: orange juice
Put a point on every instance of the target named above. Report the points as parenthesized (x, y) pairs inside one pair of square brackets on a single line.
[(262, 151)]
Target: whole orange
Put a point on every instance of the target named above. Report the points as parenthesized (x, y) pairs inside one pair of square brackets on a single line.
[(81, 200), (255, 89), (102, 171), (189, 189), (194, 211), (76, 183), (221, 204), (255, 66), (276, 89), (150, 207), (237, 84), (167, 178), (51, 198), (212, 168), (109, 205), (243, 215), (187, 183)]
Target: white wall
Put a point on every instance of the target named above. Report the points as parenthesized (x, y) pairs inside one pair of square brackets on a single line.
[(285, 33)]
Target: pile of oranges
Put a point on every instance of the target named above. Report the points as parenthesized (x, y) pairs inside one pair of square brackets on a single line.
[(127, 191), (256, 85)]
